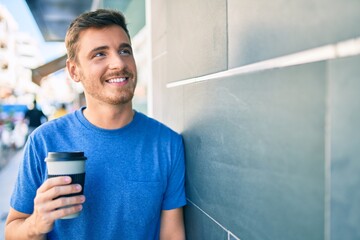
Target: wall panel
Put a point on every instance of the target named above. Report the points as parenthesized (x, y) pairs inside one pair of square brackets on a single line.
[(197, 32), (344, 77), (261, 30), (255, 151)]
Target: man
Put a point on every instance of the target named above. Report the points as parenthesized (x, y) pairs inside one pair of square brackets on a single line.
[(34, 117), (134, 186)]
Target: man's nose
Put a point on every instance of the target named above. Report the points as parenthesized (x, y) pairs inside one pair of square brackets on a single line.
[(116, 62)]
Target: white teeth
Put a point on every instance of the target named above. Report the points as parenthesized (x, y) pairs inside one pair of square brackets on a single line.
[(117, 80)]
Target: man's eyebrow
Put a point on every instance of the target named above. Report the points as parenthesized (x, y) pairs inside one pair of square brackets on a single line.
[(125, 45), (98, 49)]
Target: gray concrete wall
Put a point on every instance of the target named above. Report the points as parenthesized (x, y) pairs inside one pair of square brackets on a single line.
[(271, 149)]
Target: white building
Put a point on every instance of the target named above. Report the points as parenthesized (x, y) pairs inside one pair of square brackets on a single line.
[(19, 53)]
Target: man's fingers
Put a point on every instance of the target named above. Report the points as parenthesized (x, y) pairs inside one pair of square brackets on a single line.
[(67, 201), (50, 204), (60, 207), (55, 181), (63, 212), (55, 187), (58, 191), (48, 217)]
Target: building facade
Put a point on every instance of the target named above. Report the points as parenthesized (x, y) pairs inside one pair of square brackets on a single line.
[(19, 53)]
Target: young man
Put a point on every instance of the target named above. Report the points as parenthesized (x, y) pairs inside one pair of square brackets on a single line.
[(134, 186)]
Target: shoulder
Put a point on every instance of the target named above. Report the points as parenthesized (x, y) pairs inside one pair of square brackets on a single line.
[(152, 124), (160, 135), (67, 121)]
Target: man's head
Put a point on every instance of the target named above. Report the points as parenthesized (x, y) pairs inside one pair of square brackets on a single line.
[(97, 19), (100, 56)]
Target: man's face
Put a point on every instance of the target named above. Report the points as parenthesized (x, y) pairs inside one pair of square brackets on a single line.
[(105, 65)]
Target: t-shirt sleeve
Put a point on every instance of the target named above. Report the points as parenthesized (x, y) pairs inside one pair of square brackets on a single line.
[(28, 181), (175, 192)]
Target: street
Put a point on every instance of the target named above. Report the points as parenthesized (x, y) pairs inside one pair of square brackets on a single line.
[(8, 175)]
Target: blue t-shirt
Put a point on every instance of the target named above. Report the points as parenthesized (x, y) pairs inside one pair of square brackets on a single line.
[(132, 174)]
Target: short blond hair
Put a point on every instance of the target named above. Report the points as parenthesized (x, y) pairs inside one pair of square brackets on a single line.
[(95, 19)]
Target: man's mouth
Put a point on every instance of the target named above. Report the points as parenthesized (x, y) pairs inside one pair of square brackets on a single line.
[(117, 80)]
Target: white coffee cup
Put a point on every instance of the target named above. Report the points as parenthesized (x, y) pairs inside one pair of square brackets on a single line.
[(70, 164)]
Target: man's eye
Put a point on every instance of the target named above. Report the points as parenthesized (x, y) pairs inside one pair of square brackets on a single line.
[(125, 52), (99, 54)]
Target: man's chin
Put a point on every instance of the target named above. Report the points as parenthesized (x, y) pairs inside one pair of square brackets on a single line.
[(124, 99)]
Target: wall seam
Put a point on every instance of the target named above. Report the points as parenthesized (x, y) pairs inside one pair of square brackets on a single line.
[(327, 155), (338, 50), (227, 33), (206, 214)]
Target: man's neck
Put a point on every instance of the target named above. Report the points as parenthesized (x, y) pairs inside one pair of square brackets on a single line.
[(109, 116)]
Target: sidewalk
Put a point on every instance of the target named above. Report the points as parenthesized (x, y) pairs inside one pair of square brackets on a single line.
[(7, 180)]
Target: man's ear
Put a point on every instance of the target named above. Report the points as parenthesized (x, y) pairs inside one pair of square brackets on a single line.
[(72, 69)]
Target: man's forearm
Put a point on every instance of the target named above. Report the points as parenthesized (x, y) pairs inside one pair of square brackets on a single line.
[(22, 229)]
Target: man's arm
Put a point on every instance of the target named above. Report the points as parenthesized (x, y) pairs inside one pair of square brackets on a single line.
[(18, 226), (172, 225), (46, 210)]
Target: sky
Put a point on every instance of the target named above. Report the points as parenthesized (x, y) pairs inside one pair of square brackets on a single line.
[(26, 23)]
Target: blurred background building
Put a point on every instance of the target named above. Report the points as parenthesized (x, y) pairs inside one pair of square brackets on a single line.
[(19, 53)]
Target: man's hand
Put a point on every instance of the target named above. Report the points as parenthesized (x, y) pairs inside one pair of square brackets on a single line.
[(47, 208)]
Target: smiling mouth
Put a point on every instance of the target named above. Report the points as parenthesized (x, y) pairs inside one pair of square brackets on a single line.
[(117, 80)]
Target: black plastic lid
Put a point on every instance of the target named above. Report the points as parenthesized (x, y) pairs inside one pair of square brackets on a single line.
[(65, 156)]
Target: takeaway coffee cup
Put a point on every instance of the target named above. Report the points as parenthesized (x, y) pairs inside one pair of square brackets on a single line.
[(70, 164)]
